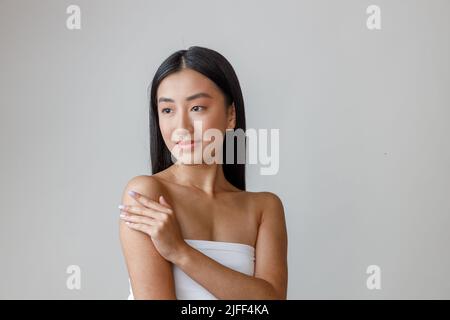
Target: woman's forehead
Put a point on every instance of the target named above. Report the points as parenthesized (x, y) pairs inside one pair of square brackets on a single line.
[(184, 83)]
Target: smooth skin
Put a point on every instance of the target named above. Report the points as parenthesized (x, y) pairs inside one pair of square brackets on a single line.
[(199, 203)]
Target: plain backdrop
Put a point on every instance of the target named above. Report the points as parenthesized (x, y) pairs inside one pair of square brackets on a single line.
[(363, 117)]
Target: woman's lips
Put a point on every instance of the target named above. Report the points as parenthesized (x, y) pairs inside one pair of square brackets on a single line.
[(186, 144)]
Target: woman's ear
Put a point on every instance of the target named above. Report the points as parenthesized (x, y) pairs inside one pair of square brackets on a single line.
[(231, 113)]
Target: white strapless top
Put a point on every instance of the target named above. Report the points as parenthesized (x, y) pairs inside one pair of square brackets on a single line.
[(236, 256)]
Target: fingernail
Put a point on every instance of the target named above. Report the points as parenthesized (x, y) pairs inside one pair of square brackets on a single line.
[(122, 215), (132, 193), (121, 206)]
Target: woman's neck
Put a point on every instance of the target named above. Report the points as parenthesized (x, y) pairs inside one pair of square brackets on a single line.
[(208, 178)]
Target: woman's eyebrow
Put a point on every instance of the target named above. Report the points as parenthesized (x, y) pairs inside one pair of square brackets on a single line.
[(194, 96), (198, 95)]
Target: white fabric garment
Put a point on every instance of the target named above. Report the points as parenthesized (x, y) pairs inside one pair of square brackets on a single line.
[(236, 256)]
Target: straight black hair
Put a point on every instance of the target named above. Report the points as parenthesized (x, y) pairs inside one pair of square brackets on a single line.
[(217, 68)]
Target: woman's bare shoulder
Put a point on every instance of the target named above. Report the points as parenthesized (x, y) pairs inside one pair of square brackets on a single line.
[(268, 196), (150, 186), (261, 202), (263, 197), (268, 202)]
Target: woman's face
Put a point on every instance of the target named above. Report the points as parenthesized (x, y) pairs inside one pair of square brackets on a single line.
[(189, 102)]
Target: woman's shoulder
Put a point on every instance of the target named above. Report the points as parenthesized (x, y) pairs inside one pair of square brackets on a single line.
[(264, 197), (268, 202), (261, 200), (143, 180), (145, 184), (270, 197)]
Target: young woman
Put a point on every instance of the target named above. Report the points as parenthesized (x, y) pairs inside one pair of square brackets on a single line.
[(191, 230)]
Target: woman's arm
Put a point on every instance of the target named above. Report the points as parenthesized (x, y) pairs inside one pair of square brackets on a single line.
[(150, 274), (271, 271)]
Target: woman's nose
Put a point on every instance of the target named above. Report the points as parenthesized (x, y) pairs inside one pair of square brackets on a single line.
[(184, 121)]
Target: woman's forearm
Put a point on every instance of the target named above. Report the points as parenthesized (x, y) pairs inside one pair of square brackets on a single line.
[(221, 281)]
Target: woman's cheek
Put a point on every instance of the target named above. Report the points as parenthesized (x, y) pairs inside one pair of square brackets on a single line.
[(167, 137)]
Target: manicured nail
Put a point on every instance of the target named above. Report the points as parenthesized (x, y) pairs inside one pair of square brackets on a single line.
[(122, 216), (132, 193), (121, 206)]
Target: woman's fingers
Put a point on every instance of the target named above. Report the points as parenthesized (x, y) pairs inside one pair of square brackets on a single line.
[(142, 211), (140, 227), (149, 203), (137, 219)]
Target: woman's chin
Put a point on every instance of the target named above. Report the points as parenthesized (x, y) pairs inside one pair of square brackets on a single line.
[(189, 158)]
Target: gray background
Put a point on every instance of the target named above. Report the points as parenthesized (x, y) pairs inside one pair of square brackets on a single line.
[(363, 117)]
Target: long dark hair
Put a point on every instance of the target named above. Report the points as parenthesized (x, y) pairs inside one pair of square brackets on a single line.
[(214, 66)]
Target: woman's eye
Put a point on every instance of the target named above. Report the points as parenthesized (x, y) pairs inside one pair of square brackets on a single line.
[(165, 109), (197, 108)]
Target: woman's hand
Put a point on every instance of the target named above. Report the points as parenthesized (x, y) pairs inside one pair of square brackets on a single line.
[(158, 221)]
